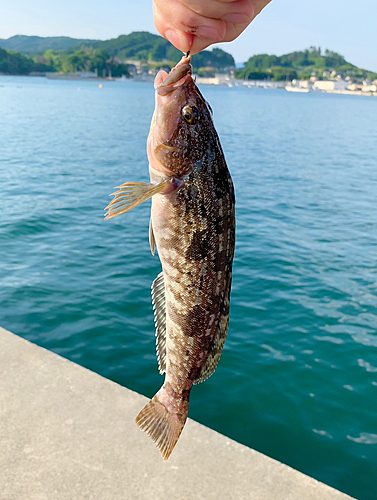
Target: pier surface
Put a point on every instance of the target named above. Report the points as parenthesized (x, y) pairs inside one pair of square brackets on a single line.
[(67, 433)]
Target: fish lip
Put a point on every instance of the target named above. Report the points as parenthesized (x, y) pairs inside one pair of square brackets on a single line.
[(154, 162), (168, 89), (176, 78), (161, 144)]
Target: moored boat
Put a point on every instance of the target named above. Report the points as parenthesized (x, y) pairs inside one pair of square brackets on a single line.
[(292, 88)]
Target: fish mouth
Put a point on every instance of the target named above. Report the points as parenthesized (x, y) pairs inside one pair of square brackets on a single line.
[(165, 83)]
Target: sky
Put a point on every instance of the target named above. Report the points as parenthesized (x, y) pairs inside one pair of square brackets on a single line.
[(344, 26)]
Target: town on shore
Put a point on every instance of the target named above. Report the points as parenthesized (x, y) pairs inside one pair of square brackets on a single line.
[(331, 81), (334, 83), (140, 55)]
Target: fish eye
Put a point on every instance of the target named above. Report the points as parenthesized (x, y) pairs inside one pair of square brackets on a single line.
[(190, 114)]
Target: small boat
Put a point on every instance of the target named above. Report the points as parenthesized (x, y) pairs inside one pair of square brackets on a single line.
[(292, 88)]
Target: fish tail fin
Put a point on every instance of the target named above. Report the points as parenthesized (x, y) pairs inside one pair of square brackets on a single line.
[(162, 426)]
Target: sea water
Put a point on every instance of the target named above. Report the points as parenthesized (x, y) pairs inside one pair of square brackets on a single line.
[(298, 376)]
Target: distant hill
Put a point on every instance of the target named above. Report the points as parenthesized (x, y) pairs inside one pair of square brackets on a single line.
[(64, 54), (299, 64), (142, 45), (29, 45), (139, 45), (14, 63)]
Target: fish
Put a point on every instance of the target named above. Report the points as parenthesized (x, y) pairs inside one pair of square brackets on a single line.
[(192, 225)]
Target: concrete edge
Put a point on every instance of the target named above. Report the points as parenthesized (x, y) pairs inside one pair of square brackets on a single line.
[(66, 432)]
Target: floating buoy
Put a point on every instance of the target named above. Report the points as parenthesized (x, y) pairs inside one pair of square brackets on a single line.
[(100, 86)]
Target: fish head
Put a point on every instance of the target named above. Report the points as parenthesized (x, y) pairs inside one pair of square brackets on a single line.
[(181, 124)]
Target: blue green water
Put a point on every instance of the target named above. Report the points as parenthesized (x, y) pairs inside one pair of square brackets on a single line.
[(298, 376)]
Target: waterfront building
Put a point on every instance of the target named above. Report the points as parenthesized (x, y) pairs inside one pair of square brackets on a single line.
[(329, 85)]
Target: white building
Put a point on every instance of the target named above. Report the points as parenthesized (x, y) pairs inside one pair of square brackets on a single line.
[(369, 88), (354, 87), (208, 80), (329, 85)]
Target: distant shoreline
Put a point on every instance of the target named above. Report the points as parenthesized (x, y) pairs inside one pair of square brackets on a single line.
[(200, 81)]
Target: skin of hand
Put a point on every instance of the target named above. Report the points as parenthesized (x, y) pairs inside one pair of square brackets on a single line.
[(193, 25)]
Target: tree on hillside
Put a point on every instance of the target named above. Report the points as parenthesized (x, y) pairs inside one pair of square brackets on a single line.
[(14, 63)]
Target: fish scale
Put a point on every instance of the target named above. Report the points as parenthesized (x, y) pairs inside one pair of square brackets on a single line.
[(193, 227)]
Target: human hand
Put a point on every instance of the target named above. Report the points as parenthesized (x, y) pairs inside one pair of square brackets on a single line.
[(193, 25)]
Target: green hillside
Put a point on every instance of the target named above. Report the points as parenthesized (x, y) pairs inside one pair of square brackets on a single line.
[(14, 63), (29, 45), (138, 45), (58, 52), (153, 51), (141, 45), (300, 64), (83, 59)]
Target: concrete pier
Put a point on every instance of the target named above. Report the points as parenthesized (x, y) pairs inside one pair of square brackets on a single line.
[(69, 434)]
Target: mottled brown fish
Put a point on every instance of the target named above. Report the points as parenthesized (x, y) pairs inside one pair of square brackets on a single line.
[(193, 227)]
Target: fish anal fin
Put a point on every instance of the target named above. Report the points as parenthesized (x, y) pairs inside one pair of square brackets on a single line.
[(159, 309), (132, 194), (215, 353), (163, 427)]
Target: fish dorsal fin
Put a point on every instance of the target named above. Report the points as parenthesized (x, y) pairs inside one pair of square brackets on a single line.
[(152, 241), (158, 301), (215, 353)]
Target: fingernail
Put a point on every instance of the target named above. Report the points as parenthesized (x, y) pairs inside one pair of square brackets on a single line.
[(236, 17), (209, 33)]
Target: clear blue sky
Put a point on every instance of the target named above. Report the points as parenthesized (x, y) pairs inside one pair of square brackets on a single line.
[(345, 26)]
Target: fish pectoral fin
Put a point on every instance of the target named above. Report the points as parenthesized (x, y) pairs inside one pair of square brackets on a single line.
[(159, 309), (130, 195)]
